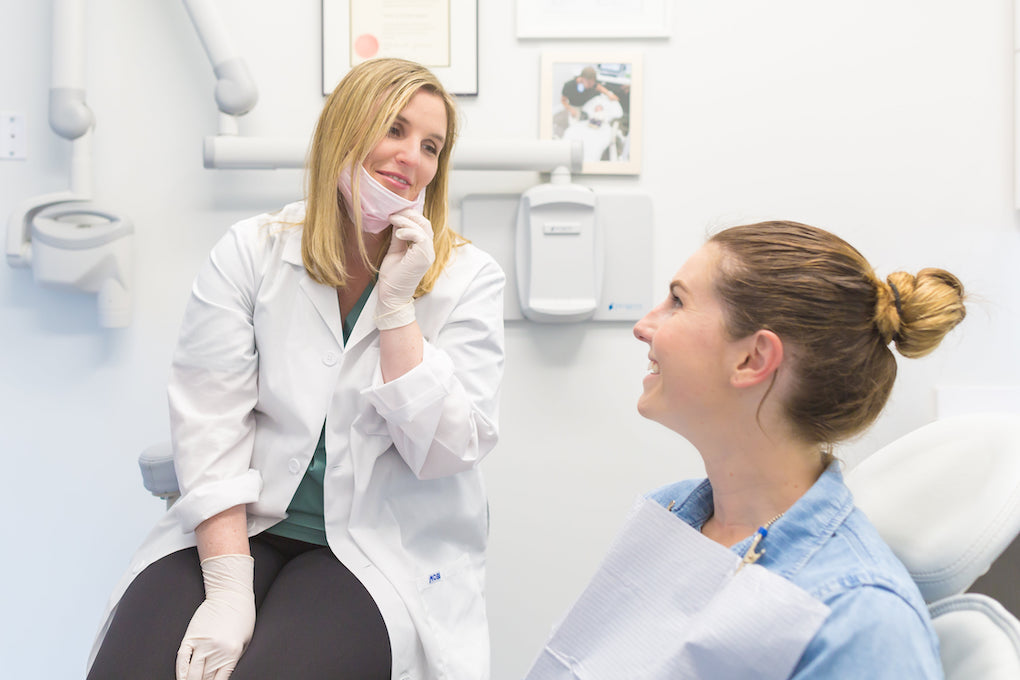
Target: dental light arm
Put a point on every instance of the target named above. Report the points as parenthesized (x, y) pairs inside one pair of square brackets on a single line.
[(518, 154), (270, 153), (236, 92), (70, 116)]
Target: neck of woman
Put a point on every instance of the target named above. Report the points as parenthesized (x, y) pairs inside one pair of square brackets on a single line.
[(754, 477), (357, 269)]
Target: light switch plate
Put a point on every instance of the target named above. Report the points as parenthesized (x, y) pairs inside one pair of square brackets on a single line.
[(13, 144)]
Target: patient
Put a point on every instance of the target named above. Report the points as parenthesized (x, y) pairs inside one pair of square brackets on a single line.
[(772, 346)]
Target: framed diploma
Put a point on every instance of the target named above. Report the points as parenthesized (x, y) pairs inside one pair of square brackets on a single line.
[(439, 34)]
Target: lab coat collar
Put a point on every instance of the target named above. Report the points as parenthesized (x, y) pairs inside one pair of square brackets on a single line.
[(365, 324), (292, 248), (324, 299)]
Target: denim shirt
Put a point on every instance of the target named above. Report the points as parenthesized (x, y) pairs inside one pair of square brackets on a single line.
[(879, 625)]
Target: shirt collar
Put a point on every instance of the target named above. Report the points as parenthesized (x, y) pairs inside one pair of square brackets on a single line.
[(799, 533)]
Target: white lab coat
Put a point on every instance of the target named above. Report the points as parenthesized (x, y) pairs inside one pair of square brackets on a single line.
[(261, 364)]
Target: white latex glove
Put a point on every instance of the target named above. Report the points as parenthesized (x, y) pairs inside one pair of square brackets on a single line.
[(222, 625), (410, 255)]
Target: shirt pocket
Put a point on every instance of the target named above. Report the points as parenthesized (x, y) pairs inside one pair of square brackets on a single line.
[(455, 607)]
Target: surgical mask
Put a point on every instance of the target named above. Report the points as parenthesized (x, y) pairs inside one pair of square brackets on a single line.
[(377, 202)]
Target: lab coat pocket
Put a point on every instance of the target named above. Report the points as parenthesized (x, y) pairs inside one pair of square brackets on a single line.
[(455, 607)]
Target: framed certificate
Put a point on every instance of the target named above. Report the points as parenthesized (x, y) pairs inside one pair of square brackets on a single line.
[(439, 34)]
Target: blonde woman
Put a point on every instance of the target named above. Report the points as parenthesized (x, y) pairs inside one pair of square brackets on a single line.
[(771, 346), (334, 387)]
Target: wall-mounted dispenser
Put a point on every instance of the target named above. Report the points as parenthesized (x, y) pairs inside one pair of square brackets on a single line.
[(559, 251), (626, 289)]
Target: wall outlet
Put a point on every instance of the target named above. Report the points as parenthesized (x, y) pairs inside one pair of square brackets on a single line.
[(13, 144)]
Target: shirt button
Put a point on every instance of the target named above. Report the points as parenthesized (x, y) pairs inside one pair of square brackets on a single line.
[(294, 465), (329, 358)]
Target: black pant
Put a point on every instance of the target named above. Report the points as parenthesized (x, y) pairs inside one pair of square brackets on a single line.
[(314, 619)]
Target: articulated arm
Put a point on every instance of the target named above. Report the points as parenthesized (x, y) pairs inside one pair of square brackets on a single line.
[(236, 93), (70, 116)]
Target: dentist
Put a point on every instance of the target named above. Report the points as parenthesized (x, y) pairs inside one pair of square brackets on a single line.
[(333, 390)]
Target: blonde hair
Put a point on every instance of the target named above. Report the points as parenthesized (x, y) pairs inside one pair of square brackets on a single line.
[(818, 293), (354, 119)]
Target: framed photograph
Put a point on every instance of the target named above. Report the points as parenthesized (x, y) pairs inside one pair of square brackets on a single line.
[(587, 19), (595, 97), (440, 34)]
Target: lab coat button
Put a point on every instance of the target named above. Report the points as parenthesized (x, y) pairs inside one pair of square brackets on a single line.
[(294, 465), (329, 358)]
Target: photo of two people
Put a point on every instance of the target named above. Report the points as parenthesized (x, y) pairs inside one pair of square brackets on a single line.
[(593, 101)]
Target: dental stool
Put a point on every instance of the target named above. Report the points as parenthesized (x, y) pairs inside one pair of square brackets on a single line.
[(946, 498)]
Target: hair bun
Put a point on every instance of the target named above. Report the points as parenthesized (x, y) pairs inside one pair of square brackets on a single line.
[(916, 312)]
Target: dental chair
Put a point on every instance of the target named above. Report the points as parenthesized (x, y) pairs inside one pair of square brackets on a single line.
[(946, 498)]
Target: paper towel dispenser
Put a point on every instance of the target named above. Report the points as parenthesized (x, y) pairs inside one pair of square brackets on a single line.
[(559, 252), (624, 222)]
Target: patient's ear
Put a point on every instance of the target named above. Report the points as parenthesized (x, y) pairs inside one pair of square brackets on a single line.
[(759, 357)]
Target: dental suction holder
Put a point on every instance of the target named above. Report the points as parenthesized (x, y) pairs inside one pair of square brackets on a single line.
[(69, 242), (75, 245)]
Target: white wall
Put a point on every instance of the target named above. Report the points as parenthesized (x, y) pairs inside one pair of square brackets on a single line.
[(889, 123)]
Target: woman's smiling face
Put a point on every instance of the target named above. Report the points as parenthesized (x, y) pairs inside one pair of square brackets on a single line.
[(406, 159), (688, 347)]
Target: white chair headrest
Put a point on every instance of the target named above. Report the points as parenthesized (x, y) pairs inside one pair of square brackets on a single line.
[(946, 498), (978, 638)]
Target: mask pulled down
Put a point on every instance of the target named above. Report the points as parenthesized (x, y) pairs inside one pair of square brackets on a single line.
[(377, 202)]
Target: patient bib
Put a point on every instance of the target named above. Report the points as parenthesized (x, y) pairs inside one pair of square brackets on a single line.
[(668, 602)]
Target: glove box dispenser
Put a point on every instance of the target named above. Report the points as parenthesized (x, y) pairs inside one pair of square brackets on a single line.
[(559, 253)]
